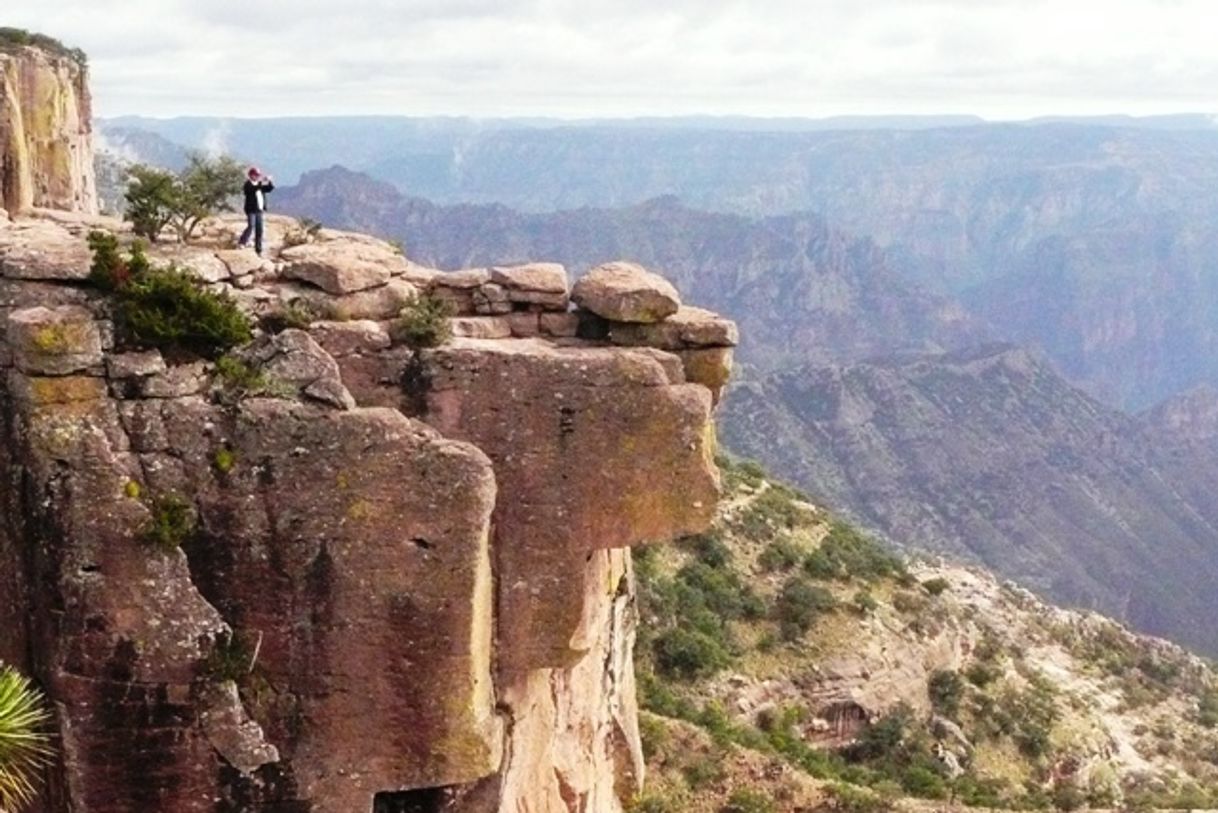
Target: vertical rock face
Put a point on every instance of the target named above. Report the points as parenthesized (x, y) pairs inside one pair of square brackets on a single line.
[(385, 580), (46, 132)]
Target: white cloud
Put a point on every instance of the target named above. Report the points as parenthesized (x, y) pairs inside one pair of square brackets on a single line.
[(1000, 58)]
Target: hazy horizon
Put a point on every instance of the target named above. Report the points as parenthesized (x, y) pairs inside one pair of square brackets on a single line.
[(1004, 60)]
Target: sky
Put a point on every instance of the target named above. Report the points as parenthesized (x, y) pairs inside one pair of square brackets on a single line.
[(1000, 59)]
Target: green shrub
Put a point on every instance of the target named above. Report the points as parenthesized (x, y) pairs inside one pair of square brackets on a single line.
[(689, 654), (775, 509), (982, 673), (799, 605), (172, 522), (936, 586), (167, 308), (864, 603), (946, 690), (654, 736), (737, 473), (164, 307), (424, 322), (25, 747), (720, 591), (656, 802), (237, 375), (851, 799), (744, 800), (845, 554), (1207, 708), (10, 37), (231, 658), (1068, 796), (923, 782), (708, 548), (704, 770), (781, 554)]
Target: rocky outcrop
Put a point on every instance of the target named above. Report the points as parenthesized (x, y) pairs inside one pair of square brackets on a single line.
[(369, 577), (46, 136)]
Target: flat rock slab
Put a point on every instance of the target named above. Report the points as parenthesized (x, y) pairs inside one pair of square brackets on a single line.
[(626, 292), (688, 328), (46, 251), (337, 268), (543, 284)]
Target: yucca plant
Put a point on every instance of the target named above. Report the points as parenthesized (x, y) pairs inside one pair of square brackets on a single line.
[(24, 743)]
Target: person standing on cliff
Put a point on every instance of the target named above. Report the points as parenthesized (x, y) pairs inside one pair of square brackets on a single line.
[(257, 187)]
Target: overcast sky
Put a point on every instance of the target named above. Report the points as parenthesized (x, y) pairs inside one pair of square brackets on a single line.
[(995, 58)]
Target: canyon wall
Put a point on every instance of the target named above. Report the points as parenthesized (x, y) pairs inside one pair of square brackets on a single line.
[(367, 578), (46, 131)]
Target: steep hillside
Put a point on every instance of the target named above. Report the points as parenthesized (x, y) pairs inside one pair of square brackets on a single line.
[(992, 455), (817, 666), (803, 290)]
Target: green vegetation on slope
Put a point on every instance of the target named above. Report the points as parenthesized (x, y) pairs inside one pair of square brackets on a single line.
[(749, 630), (18, 37)]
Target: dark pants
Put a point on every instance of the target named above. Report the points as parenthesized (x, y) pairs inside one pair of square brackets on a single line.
[(254, 220)]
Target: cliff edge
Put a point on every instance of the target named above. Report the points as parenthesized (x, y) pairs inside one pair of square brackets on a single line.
[(353, 575)]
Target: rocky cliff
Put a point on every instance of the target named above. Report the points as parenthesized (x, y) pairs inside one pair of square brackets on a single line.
[(352, 575), (46, 131)]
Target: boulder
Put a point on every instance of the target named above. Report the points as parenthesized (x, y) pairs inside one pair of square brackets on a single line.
[(626, 292), (345, 338), (559, 325), (135, 365), (54, 341), (337, 268), (294, 359)]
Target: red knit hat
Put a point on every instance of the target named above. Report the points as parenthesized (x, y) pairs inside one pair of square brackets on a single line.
[(253, 172)]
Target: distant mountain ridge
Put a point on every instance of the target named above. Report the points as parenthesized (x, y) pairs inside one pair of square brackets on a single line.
[(991, 455), (799, 289), (1090, 238)]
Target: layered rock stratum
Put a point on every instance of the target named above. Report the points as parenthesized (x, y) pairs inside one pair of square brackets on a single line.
[(46, 130), (404, 579)]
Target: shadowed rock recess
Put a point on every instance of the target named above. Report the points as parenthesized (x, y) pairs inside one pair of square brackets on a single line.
[(385, 578)]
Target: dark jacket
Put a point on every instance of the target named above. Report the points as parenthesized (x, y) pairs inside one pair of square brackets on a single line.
[(251, 190)]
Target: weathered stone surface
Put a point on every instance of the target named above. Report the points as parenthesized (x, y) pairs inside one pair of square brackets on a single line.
[(546, 278), (525, 325), (383, 302), (54, 341), (201, 263), (352, 567), (626, 292), (709, 366), (243, 263), (237, 738), (567, 407), (491, 299), (574, 737), (135, 364), (482, 327), (175, 382), (465, 279), (337, 268), (565, 325), (46, 139), (688, 327), (294, 359), (38, 250), (344, 338)]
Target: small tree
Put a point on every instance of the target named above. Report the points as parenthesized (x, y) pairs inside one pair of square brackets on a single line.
[(156, 198), (152, 198), (208, 186)]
